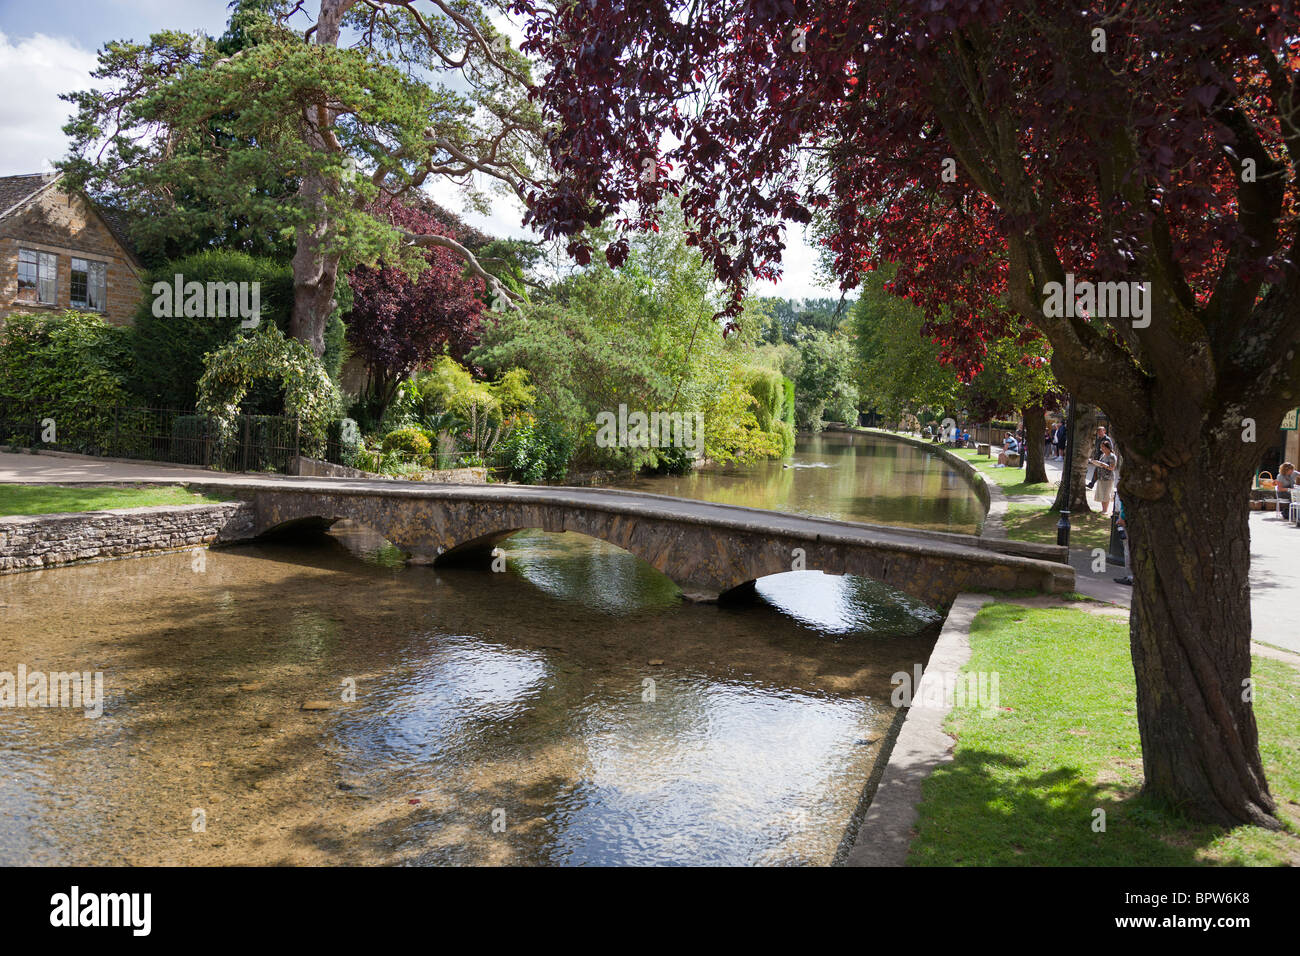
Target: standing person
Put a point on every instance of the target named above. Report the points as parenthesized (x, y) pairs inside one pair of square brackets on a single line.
[(1096, 453), (1286, 481), (1104, 475), (1122, 525)]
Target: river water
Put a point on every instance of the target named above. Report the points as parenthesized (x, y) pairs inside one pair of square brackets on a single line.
[(572, 710)]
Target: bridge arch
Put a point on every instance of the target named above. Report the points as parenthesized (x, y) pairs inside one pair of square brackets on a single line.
[(704, 548)]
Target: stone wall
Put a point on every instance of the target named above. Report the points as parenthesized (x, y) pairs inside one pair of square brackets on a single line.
[(28, 542), (306, 467)]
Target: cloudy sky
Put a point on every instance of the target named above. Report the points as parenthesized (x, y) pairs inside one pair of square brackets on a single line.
[(48, 48)]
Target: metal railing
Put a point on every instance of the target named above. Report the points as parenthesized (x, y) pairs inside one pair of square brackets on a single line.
[(266, 443), (179, 436)]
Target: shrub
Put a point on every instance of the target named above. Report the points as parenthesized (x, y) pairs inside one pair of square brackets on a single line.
[(169, 350), (72, 367), (533, 453), (447, 397), (267, 356), (411, 444), (366, 460), (674, 460)]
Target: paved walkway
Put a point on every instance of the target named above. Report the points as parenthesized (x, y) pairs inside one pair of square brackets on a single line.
[(70, 470), (1274, 575), (1274, 580)]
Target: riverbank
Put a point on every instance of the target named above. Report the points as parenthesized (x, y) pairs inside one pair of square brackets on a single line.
[(1028, 776)]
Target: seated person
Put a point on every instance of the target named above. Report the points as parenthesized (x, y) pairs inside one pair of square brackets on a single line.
[(1009, 447), (1285, 488)]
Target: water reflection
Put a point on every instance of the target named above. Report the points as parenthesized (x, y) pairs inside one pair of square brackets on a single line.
[(574, 698), (855, 477), (844, 605)]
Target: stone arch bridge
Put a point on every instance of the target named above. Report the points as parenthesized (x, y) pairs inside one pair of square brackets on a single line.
[(711, 549)]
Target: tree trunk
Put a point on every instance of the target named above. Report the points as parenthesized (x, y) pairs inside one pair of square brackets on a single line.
[(315, 271), (1085, 430), (1035, 418), (1190, 639)]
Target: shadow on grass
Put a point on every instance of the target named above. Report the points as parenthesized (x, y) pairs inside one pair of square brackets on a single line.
[(991, 809), (1037, 523)]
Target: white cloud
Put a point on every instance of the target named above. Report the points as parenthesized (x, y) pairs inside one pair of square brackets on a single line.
[(33, 72)]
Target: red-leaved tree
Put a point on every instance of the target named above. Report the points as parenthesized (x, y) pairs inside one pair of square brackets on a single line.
[(397, 323), (989, 148)]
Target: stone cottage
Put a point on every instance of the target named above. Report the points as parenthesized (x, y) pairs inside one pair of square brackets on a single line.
[(58, 251)]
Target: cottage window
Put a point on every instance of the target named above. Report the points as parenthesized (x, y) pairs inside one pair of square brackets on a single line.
[(88, 284), (36, 276)]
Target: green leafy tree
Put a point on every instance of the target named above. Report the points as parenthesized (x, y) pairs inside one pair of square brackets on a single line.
[(825, 380), (169, 347), (783, 317), (898, 366), (644, 336), (1017, 378), (294, 132)]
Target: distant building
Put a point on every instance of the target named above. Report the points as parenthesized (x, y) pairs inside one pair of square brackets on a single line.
[(58, 251)]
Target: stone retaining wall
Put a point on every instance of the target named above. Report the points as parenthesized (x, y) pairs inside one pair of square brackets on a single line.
[(28, 542), (886, 830)]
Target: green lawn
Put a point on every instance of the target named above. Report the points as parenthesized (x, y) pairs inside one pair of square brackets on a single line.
[(55, 499), (1010, 480), (1026, 777), (1032, 521)]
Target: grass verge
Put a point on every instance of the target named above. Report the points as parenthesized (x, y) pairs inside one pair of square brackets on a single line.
[(57, 499), (1032, 521), (1027, 776), (1010, 480)]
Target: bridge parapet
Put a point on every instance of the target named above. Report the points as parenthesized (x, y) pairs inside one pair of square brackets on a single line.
[(700, 545)]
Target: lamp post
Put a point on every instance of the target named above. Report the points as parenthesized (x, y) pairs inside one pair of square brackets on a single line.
[(1063, 526)]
